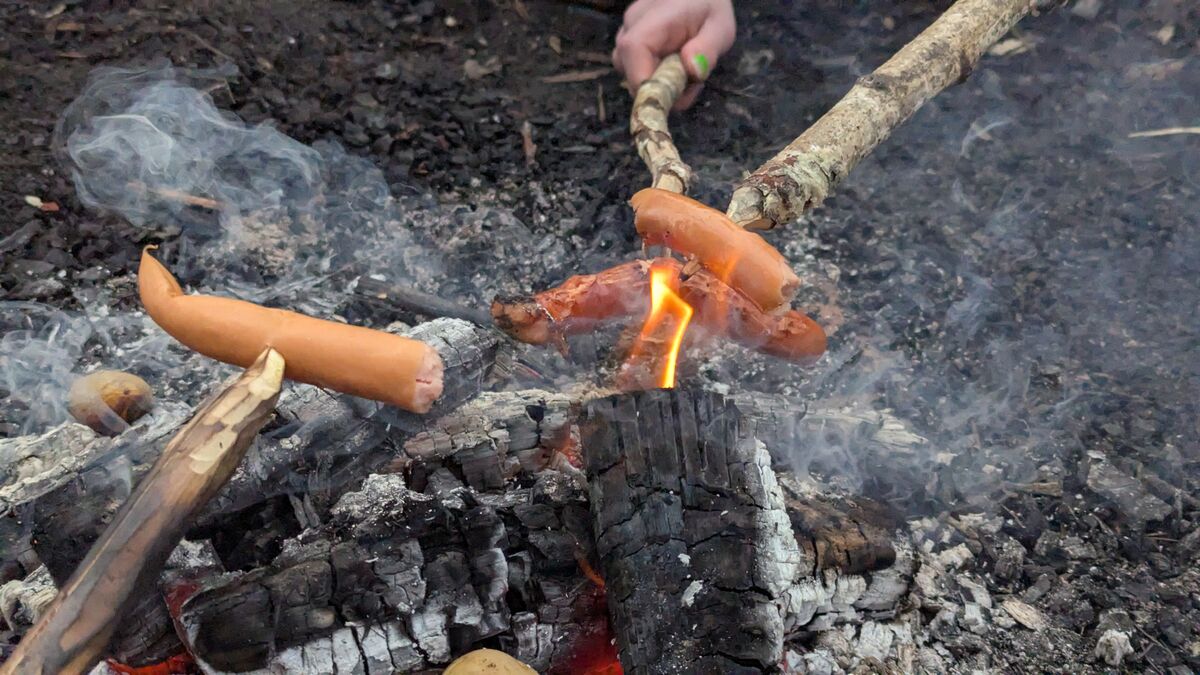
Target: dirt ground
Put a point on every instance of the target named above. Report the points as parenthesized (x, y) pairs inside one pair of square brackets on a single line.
[(1019, 275)]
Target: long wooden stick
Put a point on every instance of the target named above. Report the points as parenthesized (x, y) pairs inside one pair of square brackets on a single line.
[(803, 173), (648, 125), (75, 630), (412, 301)]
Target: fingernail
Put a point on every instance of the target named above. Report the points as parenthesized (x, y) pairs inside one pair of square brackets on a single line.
[(701, 62)]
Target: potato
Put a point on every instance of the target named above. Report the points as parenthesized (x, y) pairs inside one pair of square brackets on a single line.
[(108, 400), (487, 662)]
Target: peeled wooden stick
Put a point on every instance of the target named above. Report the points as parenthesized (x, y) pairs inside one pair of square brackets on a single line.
[(351, 359), (75, 630), (648, 125), (803, 173)]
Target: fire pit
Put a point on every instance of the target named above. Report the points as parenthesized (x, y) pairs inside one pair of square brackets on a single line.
[(987, 467)]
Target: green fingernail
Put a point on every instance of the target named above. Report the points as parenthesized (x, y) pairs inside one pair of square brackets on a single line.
[(701, 62)]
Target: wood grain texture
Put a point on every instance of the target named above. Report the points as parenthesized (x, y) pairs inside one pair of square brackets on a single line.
[(810, 167), (648, 125), (75, 631)]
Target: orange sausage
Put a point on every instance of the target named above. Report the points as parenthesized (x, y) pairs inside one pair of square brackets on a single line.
[(739, 257), (577, 305), (721, 310), (372, 364), (622, 292)]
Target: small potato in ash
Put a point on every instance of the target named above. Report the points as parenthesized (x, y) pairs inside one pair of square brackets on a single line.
[(489, 661), (109, 401)]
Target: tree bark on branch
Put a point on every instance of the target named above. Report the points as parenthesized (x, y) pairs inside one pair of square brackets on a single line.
[(808, 169), (648, 125), (75, 630)]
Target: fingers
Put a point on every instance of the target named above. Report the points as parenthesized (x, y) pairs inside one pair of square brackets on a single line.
[(616, 55), (636, 53), (688, 97), (701, 30), (636, 11), (635, 59), (651, 30), (714, 38)]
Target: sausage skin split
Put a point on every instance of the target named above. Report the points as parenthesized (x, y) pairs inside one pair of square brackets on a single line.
[(741, 258), (577, 305), (353, 360), (622, 293), (789, 335)]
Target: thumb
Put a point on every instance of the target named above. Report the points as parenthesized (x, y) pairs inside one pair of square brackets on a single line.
[(700, 54)]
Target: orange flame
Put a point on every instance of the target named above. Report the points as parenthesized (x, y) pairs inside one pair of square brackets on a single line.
[(666, 309)]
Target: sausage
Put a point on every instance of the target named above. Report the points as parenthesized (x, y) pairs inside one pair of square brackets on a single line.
[(789, 335), (577, 305), (741, 258), (623, 293), (354, 360)]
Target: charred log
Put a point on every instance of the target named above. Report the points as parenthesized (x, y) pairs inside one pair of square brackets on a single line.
[(709, 565), (497, 441), (851, 537), (320, 446), (695, 545), (38, 466), (401, 580), (125, 562)]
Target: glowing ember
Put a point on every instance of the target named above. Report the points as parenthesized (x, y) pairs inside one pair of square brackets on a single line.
[(669, 316)]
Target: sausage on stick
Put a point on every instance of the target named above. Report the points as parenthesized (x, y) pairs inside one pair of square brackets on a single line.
[(742, 258)]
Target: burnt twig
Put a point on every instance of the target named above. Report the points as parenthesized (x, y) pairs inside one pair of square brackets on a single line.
[(178, 196), (409, 301)]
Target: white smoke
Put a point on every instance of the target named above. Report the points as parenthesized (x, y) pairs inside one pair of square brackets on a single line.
[(271, 216)]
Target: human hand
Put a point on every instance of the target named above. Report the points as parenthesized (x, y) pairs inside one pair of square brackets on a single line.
[(700, 30)]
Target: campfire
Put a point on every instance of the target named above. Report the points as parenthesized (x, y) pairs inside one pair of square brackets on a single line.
[(662, 332), (321, 446)]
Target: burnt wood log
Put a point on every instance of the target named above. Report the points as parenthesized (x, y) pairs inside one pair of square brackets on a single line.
[(75, 630), (484, 443), (510, 424), (493, 437), (404, 580), (529, 425), (709, 562), (401, 581), (329, 443), (36, 466), (695, 545), (321, 445), (73, 481), (852, 537)]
